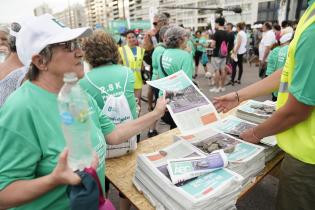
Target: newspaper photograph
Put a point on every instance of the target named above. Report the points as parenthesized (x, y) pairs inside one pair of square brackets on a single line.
[(188, 106), (209, 140), (235, 126), (184, 169)]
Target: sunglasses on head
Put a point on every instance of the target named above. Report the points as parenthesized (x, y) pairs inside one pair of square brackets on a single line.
[(70, 46)]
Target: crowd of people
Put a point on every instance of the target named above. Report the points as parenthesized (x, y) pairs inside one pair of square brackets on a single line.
[(36, 53)]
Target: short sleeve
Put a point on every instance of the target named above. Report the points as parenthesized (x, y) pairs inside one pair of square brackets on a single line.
[(106, 125), (270, 39), (188, 65), (18, 155), (303, 80)]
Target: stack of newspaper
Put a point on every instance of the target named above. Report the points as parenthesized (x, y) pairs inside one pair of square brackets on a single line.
[(256, 111), (216, 190), (244, 158), (235, 126)]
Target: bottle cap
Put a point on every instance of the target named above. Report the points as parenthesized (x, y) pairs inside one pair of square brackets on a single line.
[(70, 77)]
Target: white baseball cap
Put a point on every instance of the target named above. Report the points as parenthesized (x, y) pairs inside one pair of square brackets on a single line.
[(286, 37), (40, 31)]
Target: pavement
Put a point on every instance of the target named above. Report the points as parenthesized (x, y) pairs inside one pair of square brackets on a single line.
[(263, 195)]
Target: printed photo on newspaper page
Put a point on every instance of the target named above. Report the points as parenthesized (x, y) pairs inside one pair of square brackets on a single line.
[(188, 106)]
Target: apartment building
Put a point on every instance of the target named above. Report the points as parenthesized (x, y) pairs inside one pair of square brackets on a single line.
[(74, 16), (42, 9)]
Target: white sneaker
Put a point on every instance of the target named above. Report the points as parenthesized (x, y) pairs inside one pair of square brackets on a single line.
[(222, 89), (215, 90)]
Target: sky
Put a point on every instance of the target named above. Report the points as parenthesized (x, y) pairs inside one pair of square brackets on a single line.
[(11, 10)]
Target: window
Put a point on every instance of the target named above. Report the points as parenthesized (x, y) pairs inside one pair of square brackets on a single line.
[(268, 11)]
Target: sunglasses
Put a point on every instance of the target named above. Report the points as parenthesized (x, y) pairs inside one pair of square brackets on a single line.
[(70, 46), (155, 23)]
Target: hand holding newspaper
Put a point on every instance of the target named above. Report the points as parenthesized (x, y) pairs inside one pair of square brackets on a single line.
[(184, 169)]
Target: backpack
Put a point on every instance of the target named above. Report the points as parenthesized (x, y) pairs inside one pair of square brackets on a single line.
[(117, 109), (223, 51)]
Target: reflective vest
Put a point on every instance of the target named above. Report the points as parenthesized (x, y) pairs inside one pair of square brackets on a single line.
[(131, 61), (299, 140)]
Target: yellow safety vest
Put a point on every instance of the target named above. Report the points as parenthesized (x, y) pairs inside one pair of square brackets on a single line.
[(298, 141), (131, 61)]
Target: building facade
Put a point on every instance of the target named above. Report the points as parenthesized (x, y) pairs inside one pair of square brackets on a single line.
[(74, 16), (97, 12), (42, 9)]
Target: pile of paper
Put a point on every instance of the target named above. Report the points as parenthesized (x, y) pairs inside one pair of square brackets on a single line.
[(244, 158), (216, 190), (256, 111)]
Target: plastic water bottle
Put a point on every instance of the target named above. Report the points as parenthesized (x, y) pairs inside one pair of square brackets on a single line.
[(76, 122)]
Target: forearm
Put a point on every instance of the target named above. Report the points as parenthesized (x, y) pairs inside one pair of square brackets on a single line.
[(262, 87), (266, 53), (280, 121), (126, 130), (23, 191)]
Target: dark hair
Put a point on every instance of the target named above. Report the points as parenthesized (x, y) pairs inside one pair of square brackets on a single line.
[(285, 24), (220, 21), (197, 32), (100, 48), (33, 71), (230, 24), (277, 27), (241, 25), (130, 32), (268, 25), (12, 39)]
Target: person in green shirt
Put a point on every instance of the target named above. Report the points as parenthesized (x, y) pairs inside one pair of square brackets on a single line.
[(277, 58), (31, 174), (173, 59), (294, 120)]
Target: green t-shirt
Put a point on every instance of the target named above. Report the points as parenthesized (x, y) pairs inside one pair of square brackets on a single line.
[(272, 61), (174, 60), (203, 42), (302, 85), (156, 60), (282, 56), (112, 78), (32, 138), (191, 45)]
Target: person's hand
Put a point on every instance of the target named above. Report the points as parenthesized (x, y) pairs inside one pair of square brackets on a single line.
[(227, 102), (64, 175), (161, 106), (249, 136)]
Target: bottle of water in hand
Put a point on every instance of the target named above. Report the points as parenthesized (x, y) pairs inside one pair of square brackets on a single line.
[(76, 122)]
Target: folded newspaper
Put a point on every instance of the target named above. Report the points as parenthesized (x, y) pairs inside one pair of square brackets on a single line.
[(244, 158), (256, 111), (235, 126), (184, 169), (216, 190), (186, 100)]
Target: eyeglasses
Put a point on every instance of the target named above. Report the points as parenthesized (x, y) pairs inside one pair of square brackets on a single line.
[(70, 46)]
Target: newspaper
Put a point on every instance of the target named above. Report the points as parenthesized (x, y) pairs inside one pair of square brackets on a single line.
[(256, 111), (188, 106), (196, 194), (184, 169), (239, 150), (235, 126)]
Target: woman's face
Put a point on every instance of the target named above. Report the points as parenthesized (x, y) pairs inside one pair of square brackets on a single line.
[(4, 42), (131, 39), (66, 57)]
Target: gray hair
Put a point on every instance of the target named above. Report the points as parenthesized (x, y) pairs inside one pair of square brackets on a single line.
[(162, 32), (173, 36), (4, 29), (161, 17)]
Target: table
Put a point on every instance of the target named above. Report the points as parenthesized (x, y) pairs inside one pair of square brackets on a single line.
[(120, 171)]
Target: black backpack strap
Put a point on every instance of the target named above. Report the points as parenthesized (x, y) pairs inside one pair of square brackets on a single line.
[(162, 68)]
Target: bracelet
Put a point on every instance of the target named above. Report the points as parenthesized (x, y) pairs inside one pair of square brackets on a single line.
[(238, 97), (254, 135)]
